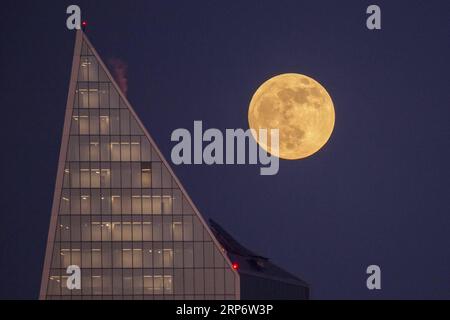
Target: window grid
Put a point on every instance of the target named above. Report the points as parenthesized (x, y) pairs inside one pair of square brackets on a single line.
[(180, 259)]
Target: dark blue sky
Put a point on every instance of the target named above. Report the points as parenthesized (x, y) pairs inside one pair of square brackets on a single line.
[(376, 194)]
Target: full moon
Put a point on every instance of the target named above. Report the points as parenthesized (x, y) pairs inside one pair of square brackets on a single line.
[(300, 108)]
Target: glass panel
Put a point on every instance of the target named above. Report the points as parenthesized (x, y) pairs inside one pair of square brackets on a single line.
[(176, 201), (219, 261), (93, 95), (84, 148), (127, 255), (198, 254), (115, 175), (96, 255), (83, 96), (148, 282), (117, 255), (146, 174), (86, 228), (117, 281), (157, 255), (74, 126), (96, 282), (157, 228), (156, 201), (106, 201), (83, 73), (125, 149), (178, 255), (95, 175), (147, 253), (229, 281), (166, 201), (147, 229), (114, 121), (136, 174), (198, 229), (74, 151), (124, 122), (65, 202), (115, 148), (126, 201), (94, 122), (126, 231), (75, 231), (75, 201), (156, 175), (137, 256), (105, 149), (103, 94), (168, 283), (177, 226), (96, 229), (199, 282), (105, 175), (178, 280), (208, 248), (167, 229), (126, 175), (135, 149), (83, 119), (145, 149), (113, 97), (85, 176), (146, 202), (106, 255), (85, 51), (92, 66), (64, 225), (76, 99), (188, 281), (137, 229), (116, 203), (136, 203), (209, 281), (187, 228), (138, 284), (106, 281), (85, 201), (158, 284), (166, 177), (219, 281), (188, 255), (66, 177), (95, 149), (168, 257)]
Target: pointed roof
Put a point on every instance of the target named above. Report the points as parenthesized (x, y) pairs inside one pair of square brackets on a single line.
[(91, 48), (88, 75)]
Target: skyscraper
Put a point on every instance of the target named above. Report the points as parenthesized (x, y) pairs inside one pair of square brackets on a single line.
[(119, 212)]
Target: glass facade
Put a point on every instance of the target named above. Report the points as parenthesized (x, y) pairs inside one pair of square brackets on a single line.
[(122, 218)]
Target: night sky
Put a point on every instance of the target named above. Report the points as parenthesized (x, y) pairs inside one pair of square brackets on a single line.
[(377, 193)]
